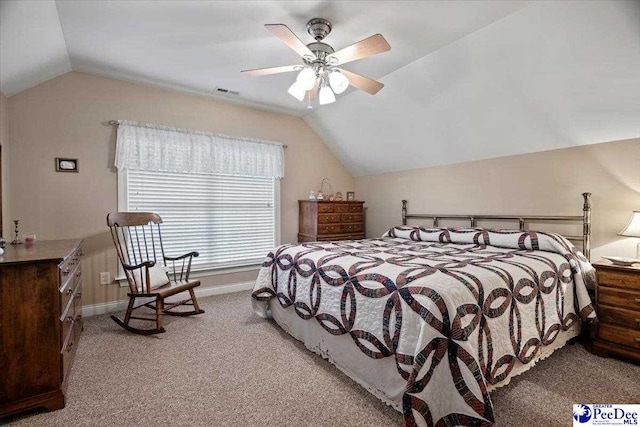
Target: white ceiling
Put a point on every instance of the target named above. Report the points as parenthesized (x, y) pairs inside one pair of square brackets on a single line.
[(32, 48), (553, 75), (464, 79)]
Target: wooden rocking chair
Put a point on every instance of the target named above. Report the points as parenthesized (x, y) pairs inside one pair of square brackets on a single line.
[(139, 246)]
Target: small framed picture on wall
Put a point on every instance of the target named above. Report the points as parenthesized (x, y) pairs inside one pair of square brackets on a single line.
[(351, 196), (66, 165)]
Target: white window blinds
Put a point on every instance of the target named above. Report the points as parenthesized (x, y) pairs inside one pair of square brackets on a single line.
[(229, 220)]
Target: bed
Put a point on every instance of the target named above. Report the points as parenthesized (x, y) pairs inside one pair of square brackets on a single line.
[(431, 319)]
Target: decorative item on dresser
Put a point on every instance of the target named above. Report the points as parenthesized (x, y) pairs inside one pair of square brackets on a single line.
[(618, 308), (322, 220), (40, 323)]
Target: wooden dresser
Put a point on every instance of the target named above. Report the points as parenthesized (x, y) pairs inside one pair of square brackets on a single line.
[(618, 309), (324, 220), (40, 323)]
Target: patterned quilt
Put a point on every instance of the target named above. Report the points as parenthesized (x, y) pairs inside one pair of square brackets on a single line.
[(456, 308)]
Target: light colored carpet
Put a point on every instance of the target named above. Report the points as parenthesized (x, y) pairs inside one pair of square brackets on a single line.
[(228, 367)]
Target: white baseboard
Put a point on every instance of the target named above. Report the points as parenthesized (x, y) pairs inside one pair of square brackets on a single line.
[(110, 307)]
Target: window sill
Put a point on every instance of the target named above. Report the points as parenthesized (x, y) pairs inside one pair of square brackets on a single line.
[(122, 280)]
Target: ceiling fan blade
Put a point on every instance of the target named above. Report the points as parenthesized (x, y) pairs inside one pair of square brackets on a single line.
[(361, 82), (283, 32), (273, 70), (370, 46)]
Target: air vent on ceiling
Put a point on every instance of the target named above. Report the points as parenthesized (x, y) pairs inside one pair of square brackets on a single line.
[(226, 91)]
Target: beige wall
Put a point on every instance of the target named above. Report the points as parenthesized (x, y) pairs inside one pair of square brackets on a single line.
[(64, 118), (548, 182), (4, 143)]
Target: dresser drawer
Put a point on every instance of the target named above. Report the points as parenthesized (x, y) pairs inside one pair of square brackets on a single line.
[(325, 207), (352, 217), (328, 228), (67, 352), (67, 319), (328, 218), (616, 334), (66, 292), (348, 207), (619, 316), (352, 228), (619, 279), (77, 304), (67, 267), (355, 236), (620, 298)]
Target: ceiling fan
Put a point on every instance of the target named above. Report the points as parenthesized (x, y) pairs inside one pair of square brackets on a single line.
[(320, 72)]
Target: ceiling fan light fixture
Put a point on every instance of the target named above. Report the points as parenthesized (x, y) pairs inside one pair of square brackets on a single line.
[(326, 95), (297, 91), (338, 81), (306, 78)]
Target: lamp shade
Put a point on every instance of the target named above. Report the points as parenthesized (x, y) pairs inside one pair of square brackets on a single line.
[(633, 228), (326, 96), (297, 91), (338, 81), (306, 78)]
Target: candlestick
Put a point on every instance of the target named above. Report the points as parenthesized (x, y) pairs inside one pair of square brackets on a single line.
[(16, 241)]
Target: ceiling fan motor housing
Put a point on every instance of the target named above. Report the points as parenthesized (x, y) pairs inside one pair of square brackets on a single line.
[(321, 50), (318, 28)]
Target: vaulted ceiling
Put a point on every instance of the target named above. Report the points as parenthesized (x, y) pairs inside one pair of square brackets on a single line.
[(464, 80)]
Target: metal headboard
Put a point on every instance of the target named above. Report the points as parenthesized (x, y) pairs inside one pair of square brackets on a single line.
[(585, 218)]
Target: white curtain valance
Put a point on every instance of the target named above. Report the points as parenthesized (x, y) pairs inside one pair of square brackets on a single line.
[(142, 146)]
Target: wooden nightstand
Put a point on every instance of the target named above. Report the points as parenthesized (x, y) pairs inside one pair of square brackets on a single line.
[(618, 308)]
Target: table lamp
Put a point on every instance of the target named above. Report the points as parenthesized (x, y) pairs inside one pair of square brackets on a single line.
[(633, 230)]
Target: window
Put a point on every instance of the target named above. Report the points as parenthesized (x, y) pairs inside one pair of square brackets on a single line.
[(216, 194), (231, 220)]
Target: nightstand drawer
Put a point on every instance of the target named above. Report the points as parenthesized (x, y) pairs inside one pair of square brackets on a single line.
[(618, 335), (619, 279), (618, 316), (620, 298)]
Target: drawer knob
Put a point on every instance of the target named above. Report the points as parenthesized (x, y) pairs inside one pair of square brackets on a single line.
[(637, 299), (79, 294), (69, 291), (70, 319), (69, 346), (78, 317), (78, 274), (638, 340), (66, 272)]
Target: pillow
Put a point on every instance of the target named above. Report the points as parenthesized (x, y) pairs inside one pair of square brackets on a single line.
[(158, 276)]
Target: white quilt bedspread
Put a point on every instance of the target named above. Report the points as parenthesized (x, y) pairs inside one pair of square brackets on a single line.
[(452, 310)]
